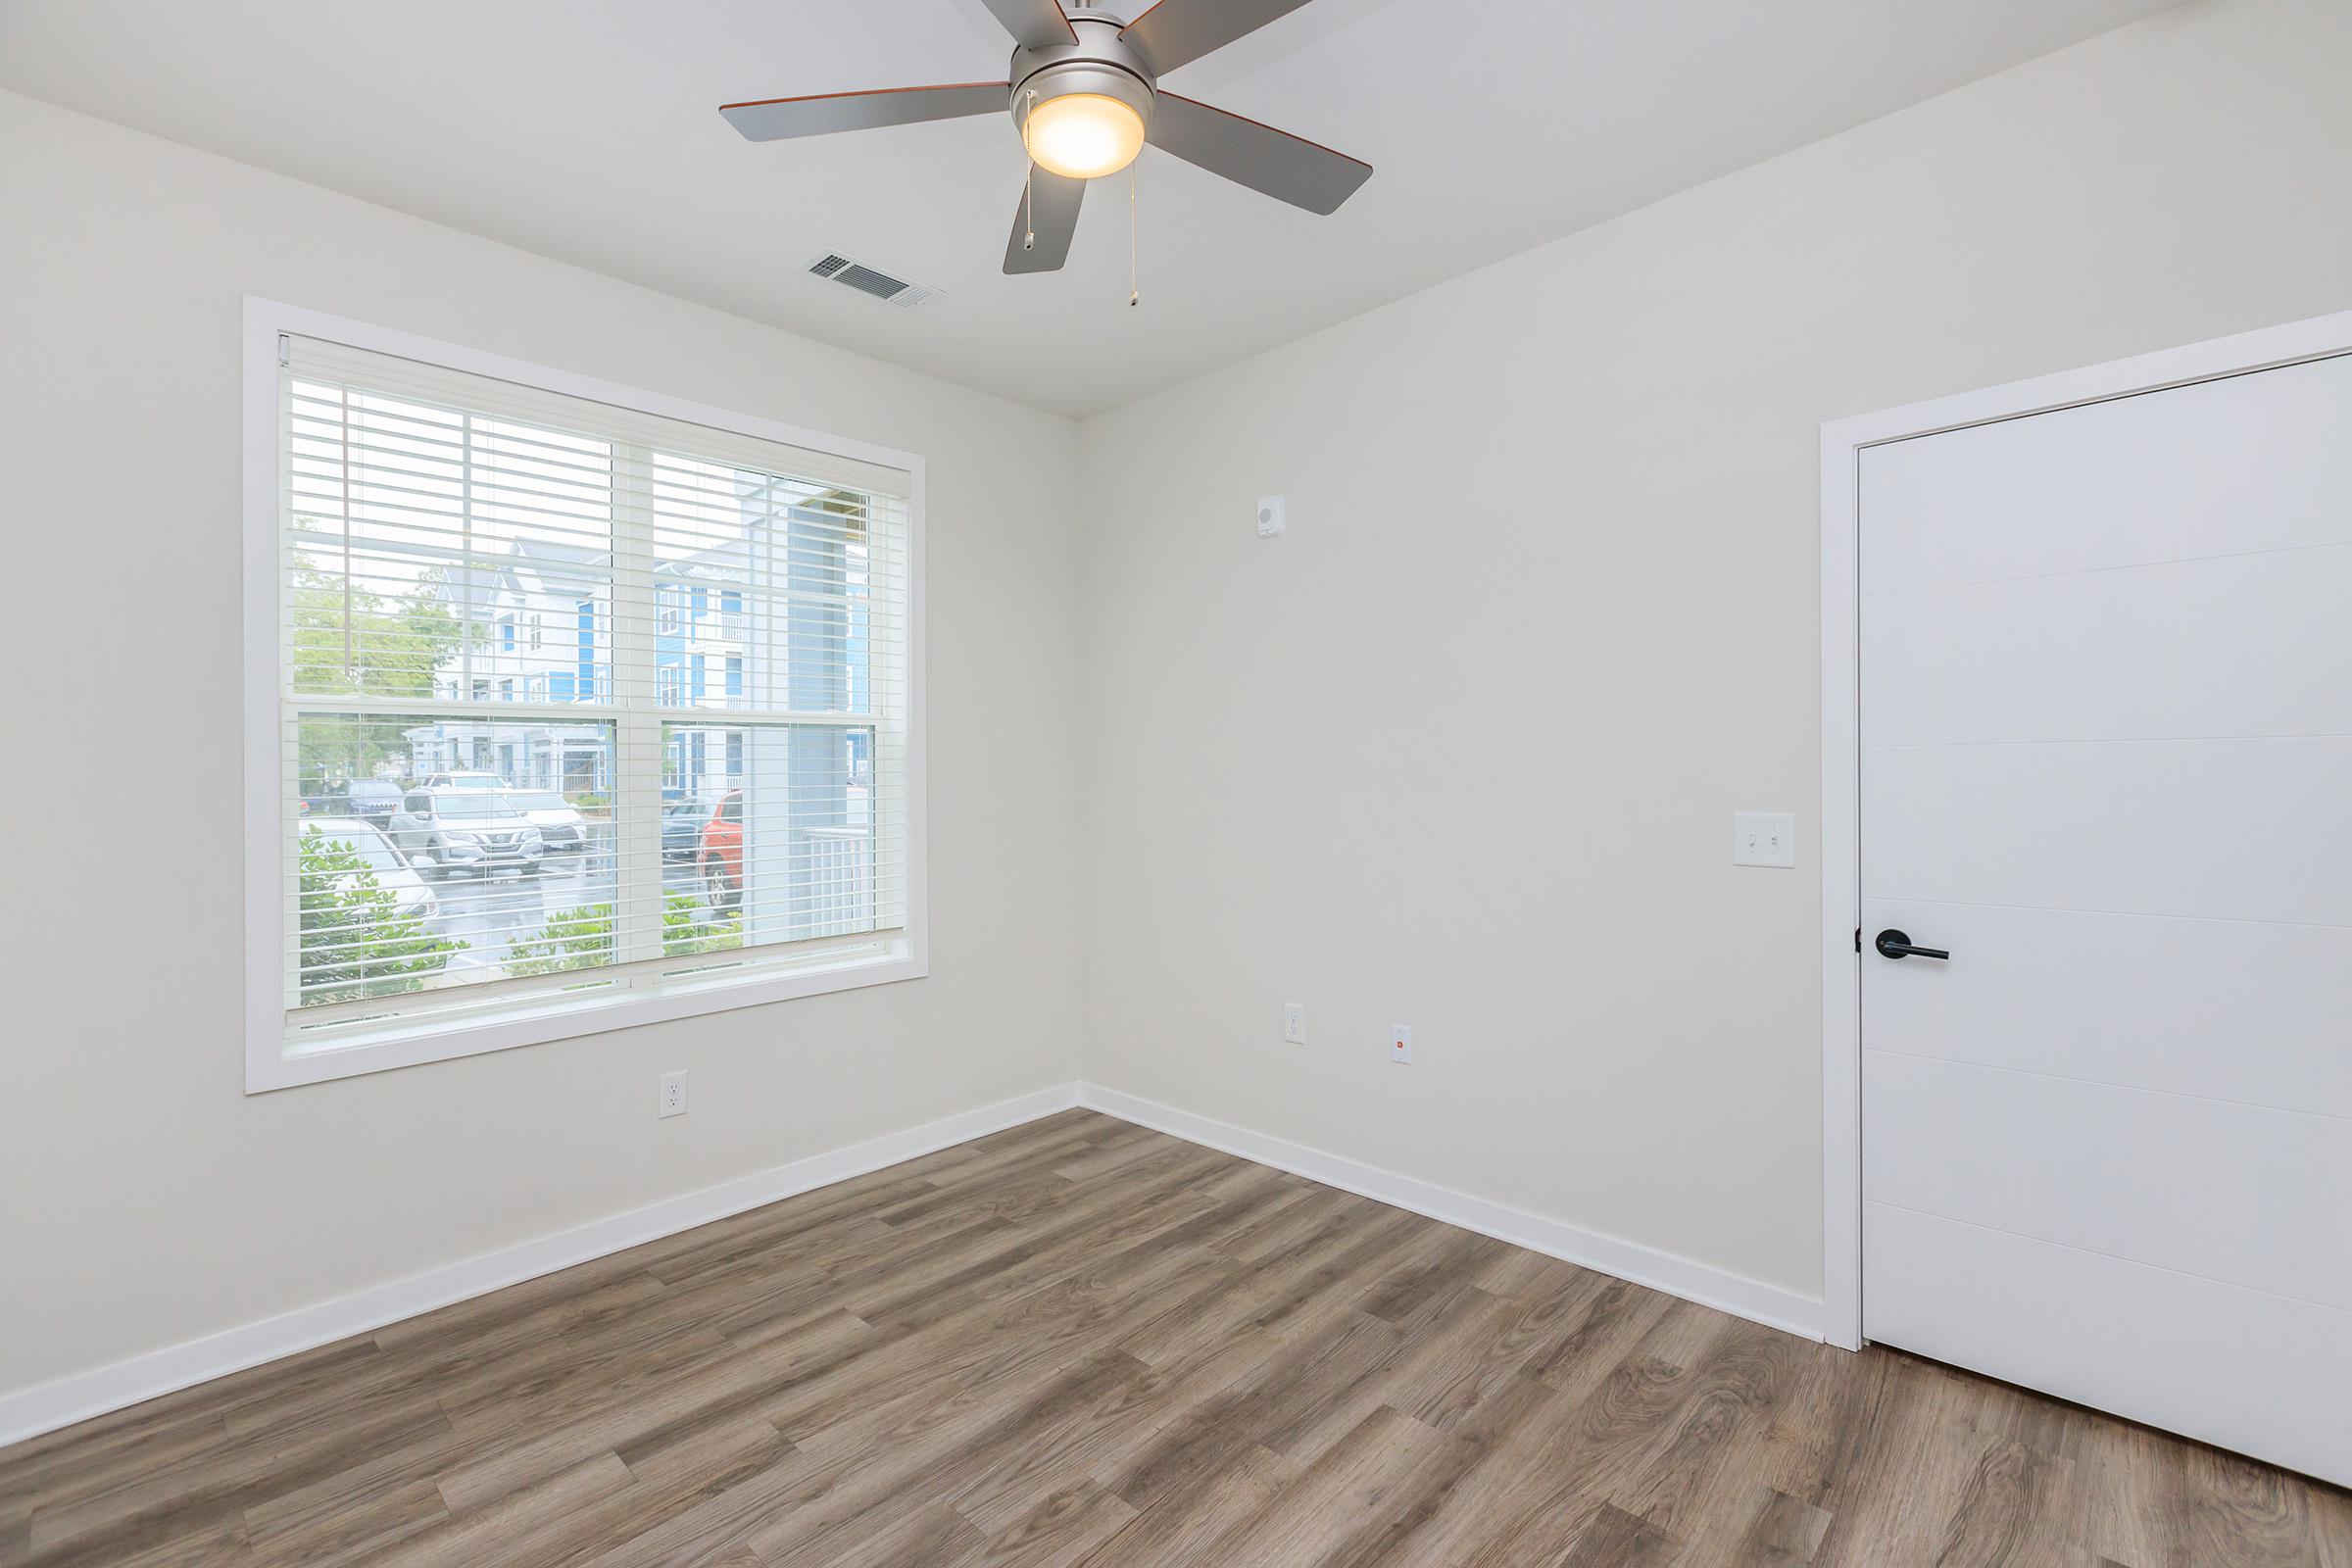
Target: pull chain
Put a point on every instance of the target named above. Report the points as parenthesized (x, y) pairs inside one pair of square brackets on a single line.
[(1028, 184), (1133, 295)]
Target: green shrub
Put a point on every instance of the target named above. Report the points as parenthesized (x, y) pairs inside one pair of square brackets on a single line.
[(684, 934), (582, 937), (355, 941)]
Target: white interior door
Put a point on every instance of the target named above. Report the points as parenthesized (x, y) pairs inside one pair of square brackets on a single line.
[(2106, 667)]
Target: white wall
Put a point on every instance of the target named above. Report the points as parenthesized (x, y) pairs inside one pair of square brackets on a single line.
[(1462, 750), (147, 1199)]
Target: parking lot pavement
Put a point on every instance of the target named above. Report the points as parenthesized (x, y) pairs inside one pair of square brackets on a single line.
[(490, 915)]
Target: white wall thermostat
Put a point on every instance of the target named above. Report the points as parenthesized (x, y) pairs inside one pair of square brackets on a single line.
[(1269, 516)]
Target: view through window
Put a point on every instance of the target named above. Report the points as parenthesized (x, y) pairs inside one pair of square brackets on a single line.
[(574, 697)]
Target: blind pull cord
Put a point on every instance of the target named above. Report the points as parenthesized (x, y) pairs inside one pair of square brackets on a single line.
[(349, 674)]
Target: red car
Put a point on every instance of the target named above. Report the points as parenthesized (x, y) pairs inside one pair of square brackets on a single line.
[(718, 855)]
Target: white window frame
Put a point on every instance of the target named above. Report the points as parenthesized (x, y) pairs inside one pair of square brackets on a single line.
[(271, 1062)]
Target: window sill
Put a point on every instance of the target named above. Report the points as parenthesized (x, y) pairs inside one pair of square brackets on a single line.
[(273, 1060)]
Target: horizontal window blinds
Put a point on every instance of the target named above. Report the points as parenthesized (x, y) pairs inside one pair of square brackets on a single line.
[(576, 698)]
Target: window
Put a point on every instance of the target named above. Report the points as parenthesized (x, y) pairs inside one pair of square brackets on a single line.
[(584, 616), (419, 510)]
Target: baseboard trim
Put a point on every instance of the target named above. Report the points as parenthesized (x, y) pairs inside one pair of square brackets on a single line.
[(46, 1407), (43, 1408), (1708, 1286)]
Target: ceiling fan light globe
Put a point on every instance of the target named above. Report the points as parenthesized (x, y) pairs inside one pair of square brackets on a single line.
[(1083, 135)]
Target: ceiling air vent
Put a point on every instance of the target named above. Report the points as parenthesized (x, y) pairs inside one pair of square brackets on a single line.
[(850, 272)]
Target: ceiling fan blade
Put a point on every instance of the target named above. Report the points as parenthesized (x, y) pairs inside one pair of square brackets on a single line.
[(777, 118), (1033, 23), (1050, 210), (1286, 168), (1175, 32)]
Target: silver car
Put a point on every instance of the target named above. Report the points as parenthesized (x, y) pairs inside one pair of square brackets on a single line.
[(442, 831)]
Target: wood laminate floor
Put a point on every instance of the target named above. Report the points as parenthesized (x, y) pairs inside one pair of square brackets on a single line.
[(1083, 1343)]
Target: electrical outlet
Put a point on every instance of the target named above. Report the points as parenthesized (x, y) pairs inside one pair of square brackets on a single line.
[(1401, 1044), (673, 1095), (1294, 1022)]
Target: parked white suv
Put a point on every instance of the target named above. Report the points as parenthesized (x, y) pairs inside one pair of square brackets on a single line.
[(442, 831), (562, 830), (411, 900), (463, 781)]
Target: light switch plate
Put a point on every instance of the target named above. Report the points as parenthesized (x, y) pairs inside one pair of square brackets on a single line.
[(1764, 838)]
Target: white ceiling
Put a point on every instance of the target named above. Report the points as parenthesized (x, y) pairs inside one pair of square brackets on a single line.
[(586, 130)]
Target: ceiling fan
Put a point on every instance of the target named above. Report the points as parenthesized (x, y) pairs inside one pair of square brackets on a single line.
[(1084, 90)]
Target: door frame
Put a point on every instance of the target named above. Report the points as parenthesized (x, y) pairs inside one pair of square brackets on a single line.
[(1842, 445)]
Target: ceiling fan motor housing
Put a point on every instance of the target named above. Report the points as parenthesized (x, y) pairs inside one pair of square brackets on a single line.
[(1085, 98), (1099, 62)]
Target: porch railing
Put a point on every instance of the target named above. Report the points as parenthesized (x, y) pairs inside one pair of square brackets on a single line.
[(836, 895)]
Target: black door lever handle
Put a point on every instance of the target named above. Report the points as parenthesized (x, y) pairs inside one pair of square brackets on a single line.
[(1893, 944)]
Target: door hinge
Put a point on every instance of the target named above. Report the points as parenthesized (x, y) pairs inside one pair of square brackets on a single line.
[(1857, 939)]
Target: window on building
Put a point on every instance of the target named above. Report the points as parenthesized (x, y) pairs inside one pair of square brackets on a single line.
[(584, 671), (420, 495)]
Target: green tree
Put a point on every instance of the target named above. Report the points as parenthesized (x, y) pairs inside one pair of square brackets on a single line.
[(356, 941), (347, 641), (582, 938)]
